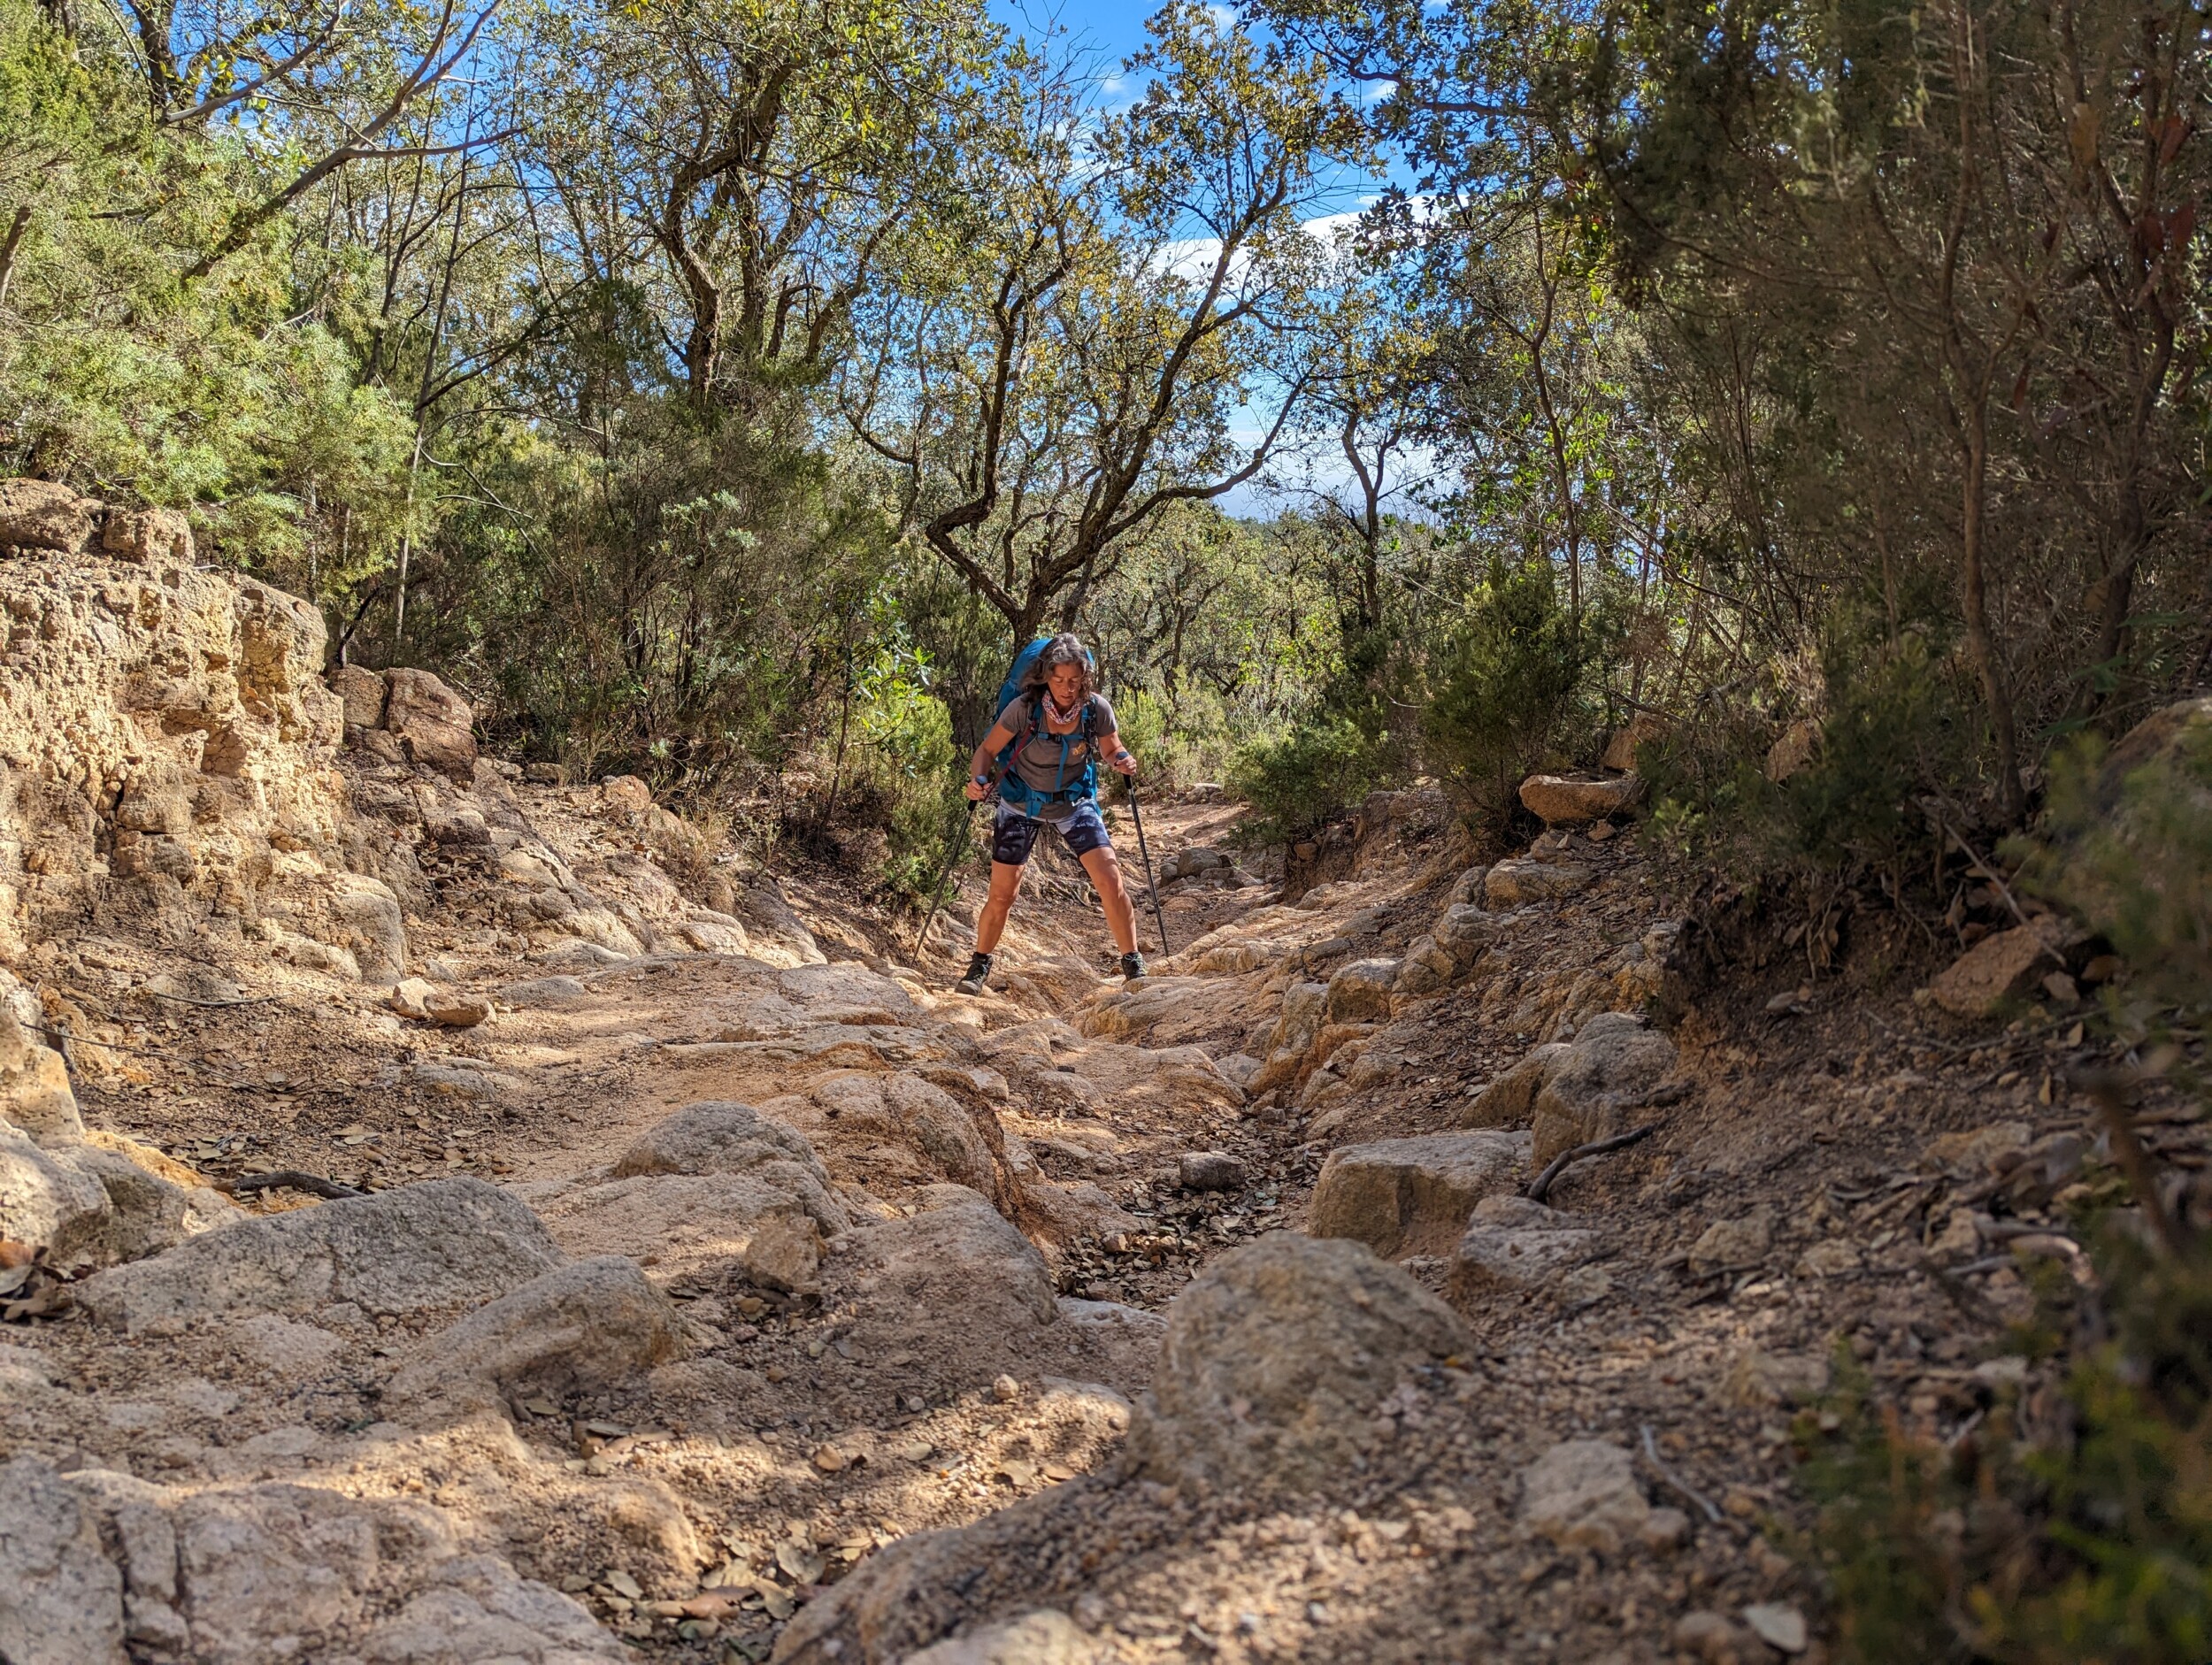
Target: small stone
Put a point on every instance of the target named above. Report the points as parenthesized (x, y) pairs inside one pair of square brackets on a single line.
[(2062, 989), (1664, 1530), (1777, 1626), (410, 997), (1582, 1494), (1732, 1245), (1831, 1257), (1711, 1638), (1006, 1390), (456, 1011), (830, 1460), (1210, 1171)]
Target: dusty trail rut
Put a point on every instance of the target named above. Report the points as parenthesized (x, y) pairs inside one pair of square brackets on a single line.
[(723, 1286)]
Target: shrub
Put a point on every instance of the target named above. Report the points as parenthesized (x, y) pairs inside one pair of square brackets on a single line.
[(1895, 725), (2096, 1548), (1310, 776), (1512, 693), (2127, 844)]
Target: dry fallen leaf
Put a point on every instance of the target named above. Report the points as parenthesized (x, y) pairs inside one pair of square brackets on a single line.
[(799, 1562)]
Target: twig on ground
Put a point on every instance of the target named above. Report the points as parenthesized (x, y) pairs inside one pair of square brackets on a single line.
[(1541, 1186), (292, 1179), (186, 999), (1674, 1481), (2103, 1086)]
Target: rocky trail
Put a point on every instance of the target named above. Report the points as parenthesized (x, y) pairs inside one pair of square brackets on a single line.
[(451, 1214)]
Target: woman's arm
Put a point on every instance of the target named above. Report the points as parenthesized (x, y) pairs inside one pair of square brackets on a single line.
[(1114, 752), (980, 765)]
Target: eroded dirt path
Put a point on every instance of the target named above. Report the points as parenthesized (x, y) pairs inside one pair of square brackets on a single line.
[(937, 1306)]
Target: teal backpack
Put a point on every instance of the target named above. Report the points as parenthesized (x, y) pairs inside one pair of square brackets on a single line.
[(1011, 788)]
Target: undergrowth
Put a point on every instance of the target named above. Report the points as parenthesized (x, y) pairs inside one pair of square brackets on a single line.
[(2073, 1525)]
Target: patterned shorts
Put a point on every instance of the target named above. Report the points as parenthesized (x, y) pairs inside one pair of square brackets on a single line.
[(1014, 834)]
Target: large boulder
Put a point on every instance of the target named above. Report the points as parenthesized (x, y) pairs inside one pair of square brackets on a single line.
[(1562, 800), (1305, 1009), (444, 1243), (1045, 1636), (1617, 1064), (432, 723), (1514, 1247), (586, 1327), (696, 1224), (148, 535), (779, 936), (61, 1599), (2005, 966), (717, 1135), (35, 1092), (148, 1211), (37, 514), (1360, 992), (102, 1566), (376, 930), (1518, 880), (48, 1200), (362, 692), (1278, 1363), (1414, 1196), (1577, 1091)]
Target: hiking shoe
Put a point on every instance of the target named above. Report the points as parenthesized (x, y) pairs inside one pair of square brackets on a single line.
[(978, 975), (1133, 967)]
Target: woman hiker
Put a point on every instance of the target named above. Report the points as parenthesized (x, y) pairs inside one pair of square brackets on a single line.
[(1059, 728)]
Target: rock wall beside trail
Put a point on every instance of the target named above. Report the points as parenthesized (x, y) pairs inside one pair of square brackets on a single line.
[(165, 738), (174, 767)]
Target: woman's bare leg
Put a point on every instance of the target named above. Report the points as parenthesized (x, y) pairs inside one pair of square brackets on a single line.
[(990, 924), (1105, 872)]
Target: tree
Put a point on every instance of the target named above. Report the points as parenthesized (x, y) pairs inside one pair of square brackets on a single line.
[(1084, 364)]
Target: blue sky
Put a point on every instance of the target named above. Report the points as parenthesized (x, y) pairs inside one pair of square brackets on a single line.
[(1114, 31)]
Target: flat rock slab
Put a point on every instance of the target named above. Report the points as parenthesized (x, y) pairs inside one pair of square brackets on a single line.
[(2004, 967), (1515, 1260), (444, 1243), (1517, 881), (588, 1327), (1563, 801), (1414, 1196)]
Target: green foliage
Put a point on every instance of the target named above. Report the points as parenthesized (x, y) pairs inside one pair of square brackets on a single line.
[(2089, 1546), (1882, 726), (2126, 844), (1512, 690), (215, 396), (904, 762), (1310, 776)]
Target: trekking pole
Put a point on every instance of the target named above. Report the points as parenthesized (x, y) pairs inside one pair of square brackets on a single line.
[(1158, 917), (952, 860)]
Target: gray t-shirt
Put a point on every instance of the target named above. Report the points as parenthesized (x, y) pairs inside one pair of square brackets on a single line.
[(1037, 757)]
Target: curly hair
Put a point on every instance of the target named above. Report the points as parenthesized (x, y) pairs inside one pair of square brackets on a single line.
[(1064, 649)]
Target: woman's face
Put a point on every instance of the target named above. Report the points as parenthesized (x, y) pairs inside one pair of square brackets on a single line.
[(1065, 681)]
